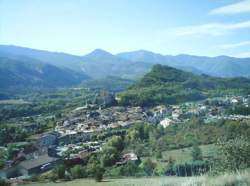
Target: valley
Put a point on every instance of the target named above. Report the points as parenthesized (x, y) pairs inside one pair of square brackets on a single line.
[(76, 129), (161, 121), (124, 93)]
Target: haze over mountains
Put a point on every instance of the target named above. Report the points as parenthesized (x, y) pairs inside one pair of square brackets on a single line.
[(21, 65)]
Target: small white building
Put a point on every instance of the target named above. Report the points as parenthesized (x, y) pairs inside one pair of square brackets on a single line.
[(234, 101), (130, 157), (175, 115), (166, 122)]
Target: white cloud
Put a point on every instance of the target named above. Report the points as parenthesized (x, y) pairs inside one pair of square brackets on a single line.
[(212, 29), (240, 7), (234, 45)]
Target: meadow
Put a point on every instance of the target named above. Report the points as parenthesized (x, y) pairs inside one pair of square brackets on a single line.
[(184, 155)]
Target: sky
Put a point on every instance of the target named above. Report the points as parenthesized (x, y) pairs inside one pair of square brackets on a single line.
[(196, 27)]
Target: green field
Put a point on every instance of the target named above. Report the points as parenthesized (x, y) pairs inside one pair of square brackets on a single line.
[(184, 155), (242, 178), (181, 156)]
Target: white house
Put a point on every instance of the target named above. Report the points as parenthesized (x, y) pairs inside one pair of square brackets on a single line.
[(166, 122)]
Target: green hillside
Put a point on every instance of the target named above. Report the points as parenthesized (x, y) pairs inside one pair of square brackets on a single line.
[(29, 73), (167, 85)]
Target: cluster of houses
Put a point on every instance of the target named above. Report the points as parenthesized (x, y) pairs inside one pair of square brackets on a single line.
[(29, 159), (42, 153), (210, 110), (72, 140), (83, 120)]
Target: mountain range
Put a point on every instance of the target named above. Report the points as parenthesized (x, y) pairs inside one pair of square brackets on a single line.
[(23, 66), (28, 73), (220, 66)]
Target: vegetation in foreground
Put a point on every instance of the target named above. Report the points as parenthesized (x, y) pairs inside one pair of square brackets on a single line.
[(241, 178)]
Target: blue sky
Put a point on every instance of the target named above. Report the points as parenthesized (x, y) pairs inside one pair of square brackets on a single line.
[(198, 27)]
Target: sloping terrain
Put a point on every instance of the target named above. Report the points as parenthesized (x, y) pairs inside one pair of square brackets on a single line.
[(99, 63), (167, 85), (221, 66), (30, 73)]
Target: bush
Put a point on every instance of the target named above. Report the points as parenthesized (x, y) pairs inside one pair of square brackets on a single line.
[(114, 171), (158, 154), (110, 155), (78, 172), (235, 153), (116, 142), (129, 169), (98, 173), (4, 183), (196, 153), (148, 166), (59, 172)]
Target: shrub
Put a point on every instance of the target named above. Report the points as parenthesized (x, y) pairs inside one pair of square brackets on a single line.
[(158, 154), (98, 173), (4, 183), (196, 153), (59, 172), (235, 153), (110, 155), (129, 169), (78, 172), (148, 166)]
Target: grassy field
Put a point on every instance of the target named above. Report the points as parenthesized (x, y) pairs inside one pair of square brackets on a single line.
[(181, 156), (184, 155), (240, 179)]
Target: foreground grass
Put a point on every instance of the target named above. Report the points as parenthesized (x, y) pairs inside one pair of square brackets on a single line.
[(237, 179)]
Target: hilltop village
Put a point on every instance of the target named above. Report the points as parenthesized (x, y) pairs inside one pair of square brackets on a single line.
[(83, 130)]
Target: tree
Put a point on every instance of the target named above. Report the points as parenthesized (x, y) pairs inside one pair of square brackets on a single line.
[(129, 169), (98, 172), (4, 183), (78, 172), (3, 157), (59, 171), (158, 154), (12, 151), (235, 153), (170, 166), (2, 164), (109, 156), (148, 166), (196, 152), (132, 136), (92, 162), (116, 142)]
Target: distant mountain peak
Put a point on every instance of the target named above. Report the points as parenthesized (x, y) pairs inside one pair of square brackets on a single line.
[(139, 52), (99, 53), (143, 51)]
